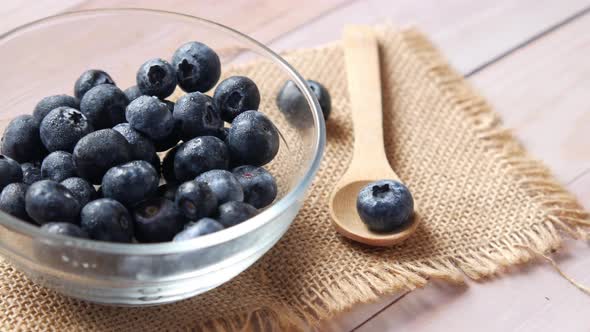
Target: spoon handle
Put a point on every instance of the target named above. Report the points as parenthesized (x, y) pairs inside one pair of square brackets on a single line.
[(361, 55)]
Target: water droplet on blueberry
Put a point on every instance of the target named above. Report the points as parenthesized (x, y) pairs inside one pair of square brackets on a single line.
[(124, 222)]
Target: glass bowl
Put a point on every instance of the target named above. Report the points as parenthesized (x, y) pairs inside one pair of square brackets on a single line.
[(46, 57)]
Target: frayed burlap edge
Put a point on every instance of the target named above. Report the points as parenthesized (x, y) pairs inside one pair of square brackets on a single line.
[(564, 215)]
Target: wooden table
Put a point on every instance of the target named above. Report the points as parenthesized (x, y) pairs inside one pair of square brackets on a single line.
[(530, 59)]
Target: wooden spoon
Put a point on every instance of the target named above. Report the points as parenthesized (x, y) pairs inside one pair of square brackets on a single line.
[(369, 162)]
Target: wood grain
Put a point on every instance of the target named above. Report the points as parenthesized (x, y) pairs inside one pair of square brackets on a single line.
[(581, 188), (531, 298), (541, 92), (469, 33), (262, 19), (18, 12)]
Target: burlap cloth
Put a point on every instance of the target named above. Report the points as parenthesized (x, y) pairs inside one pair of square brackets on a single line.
[(482, 199)]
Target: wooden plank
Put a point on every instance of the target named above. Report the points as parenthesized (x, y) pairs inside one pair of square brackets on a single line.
[(532, 298), (18, 12), (347, 320), (263, 19), (581, 188), (541, 93), (468, 32)]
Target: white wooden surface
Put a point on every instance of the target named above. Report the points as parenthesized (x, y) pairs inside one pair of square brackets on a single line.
[(540, 87)]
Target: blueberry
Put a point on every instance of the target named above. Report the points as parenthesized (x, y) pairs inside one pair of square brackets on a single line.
[(224, 185), (170, 141), (323, 96), (222, 133), (232, 213), (385, 205), (131, 182), (260, 187), (197, 115), (235, 95), (21, 140), (10, 171), (195, 200), (97, 152), (156, 77), (132, 93), (202, 227), (58, 166), (104, 106), (141, 146), (62, 128), (105, 219), (31, 173), (81, 189), (168, 191), (293, 104), (157, 220), (50, 103), (199, 155), (89, 79), (48, 201), (197, 67), (12, 200), (168, 166), (150, 116), (65, 228), (253, 139)]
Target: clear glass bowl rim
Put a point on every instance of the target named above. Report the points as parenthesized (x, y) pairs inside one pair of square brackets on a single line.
[(209, 240)]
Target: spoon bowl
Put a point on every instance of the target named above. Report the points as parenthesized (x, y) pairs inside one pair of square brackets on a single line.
[(343, 207)]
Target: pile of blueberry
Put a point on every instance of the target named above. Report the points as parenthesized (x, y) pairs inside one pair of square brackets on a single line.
[(54, 160)]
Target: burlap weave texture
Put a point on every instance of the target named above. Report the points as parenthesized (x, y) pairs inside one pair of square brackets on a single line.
[(482, 199)]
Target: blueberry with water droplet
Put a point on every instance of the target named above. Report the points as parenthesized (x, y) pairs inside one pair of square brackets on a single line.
[(195, 200), (156, 77), (106, 219), (385, 205), (236, 95), (197, 67), (197, 115), (157, 220)]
